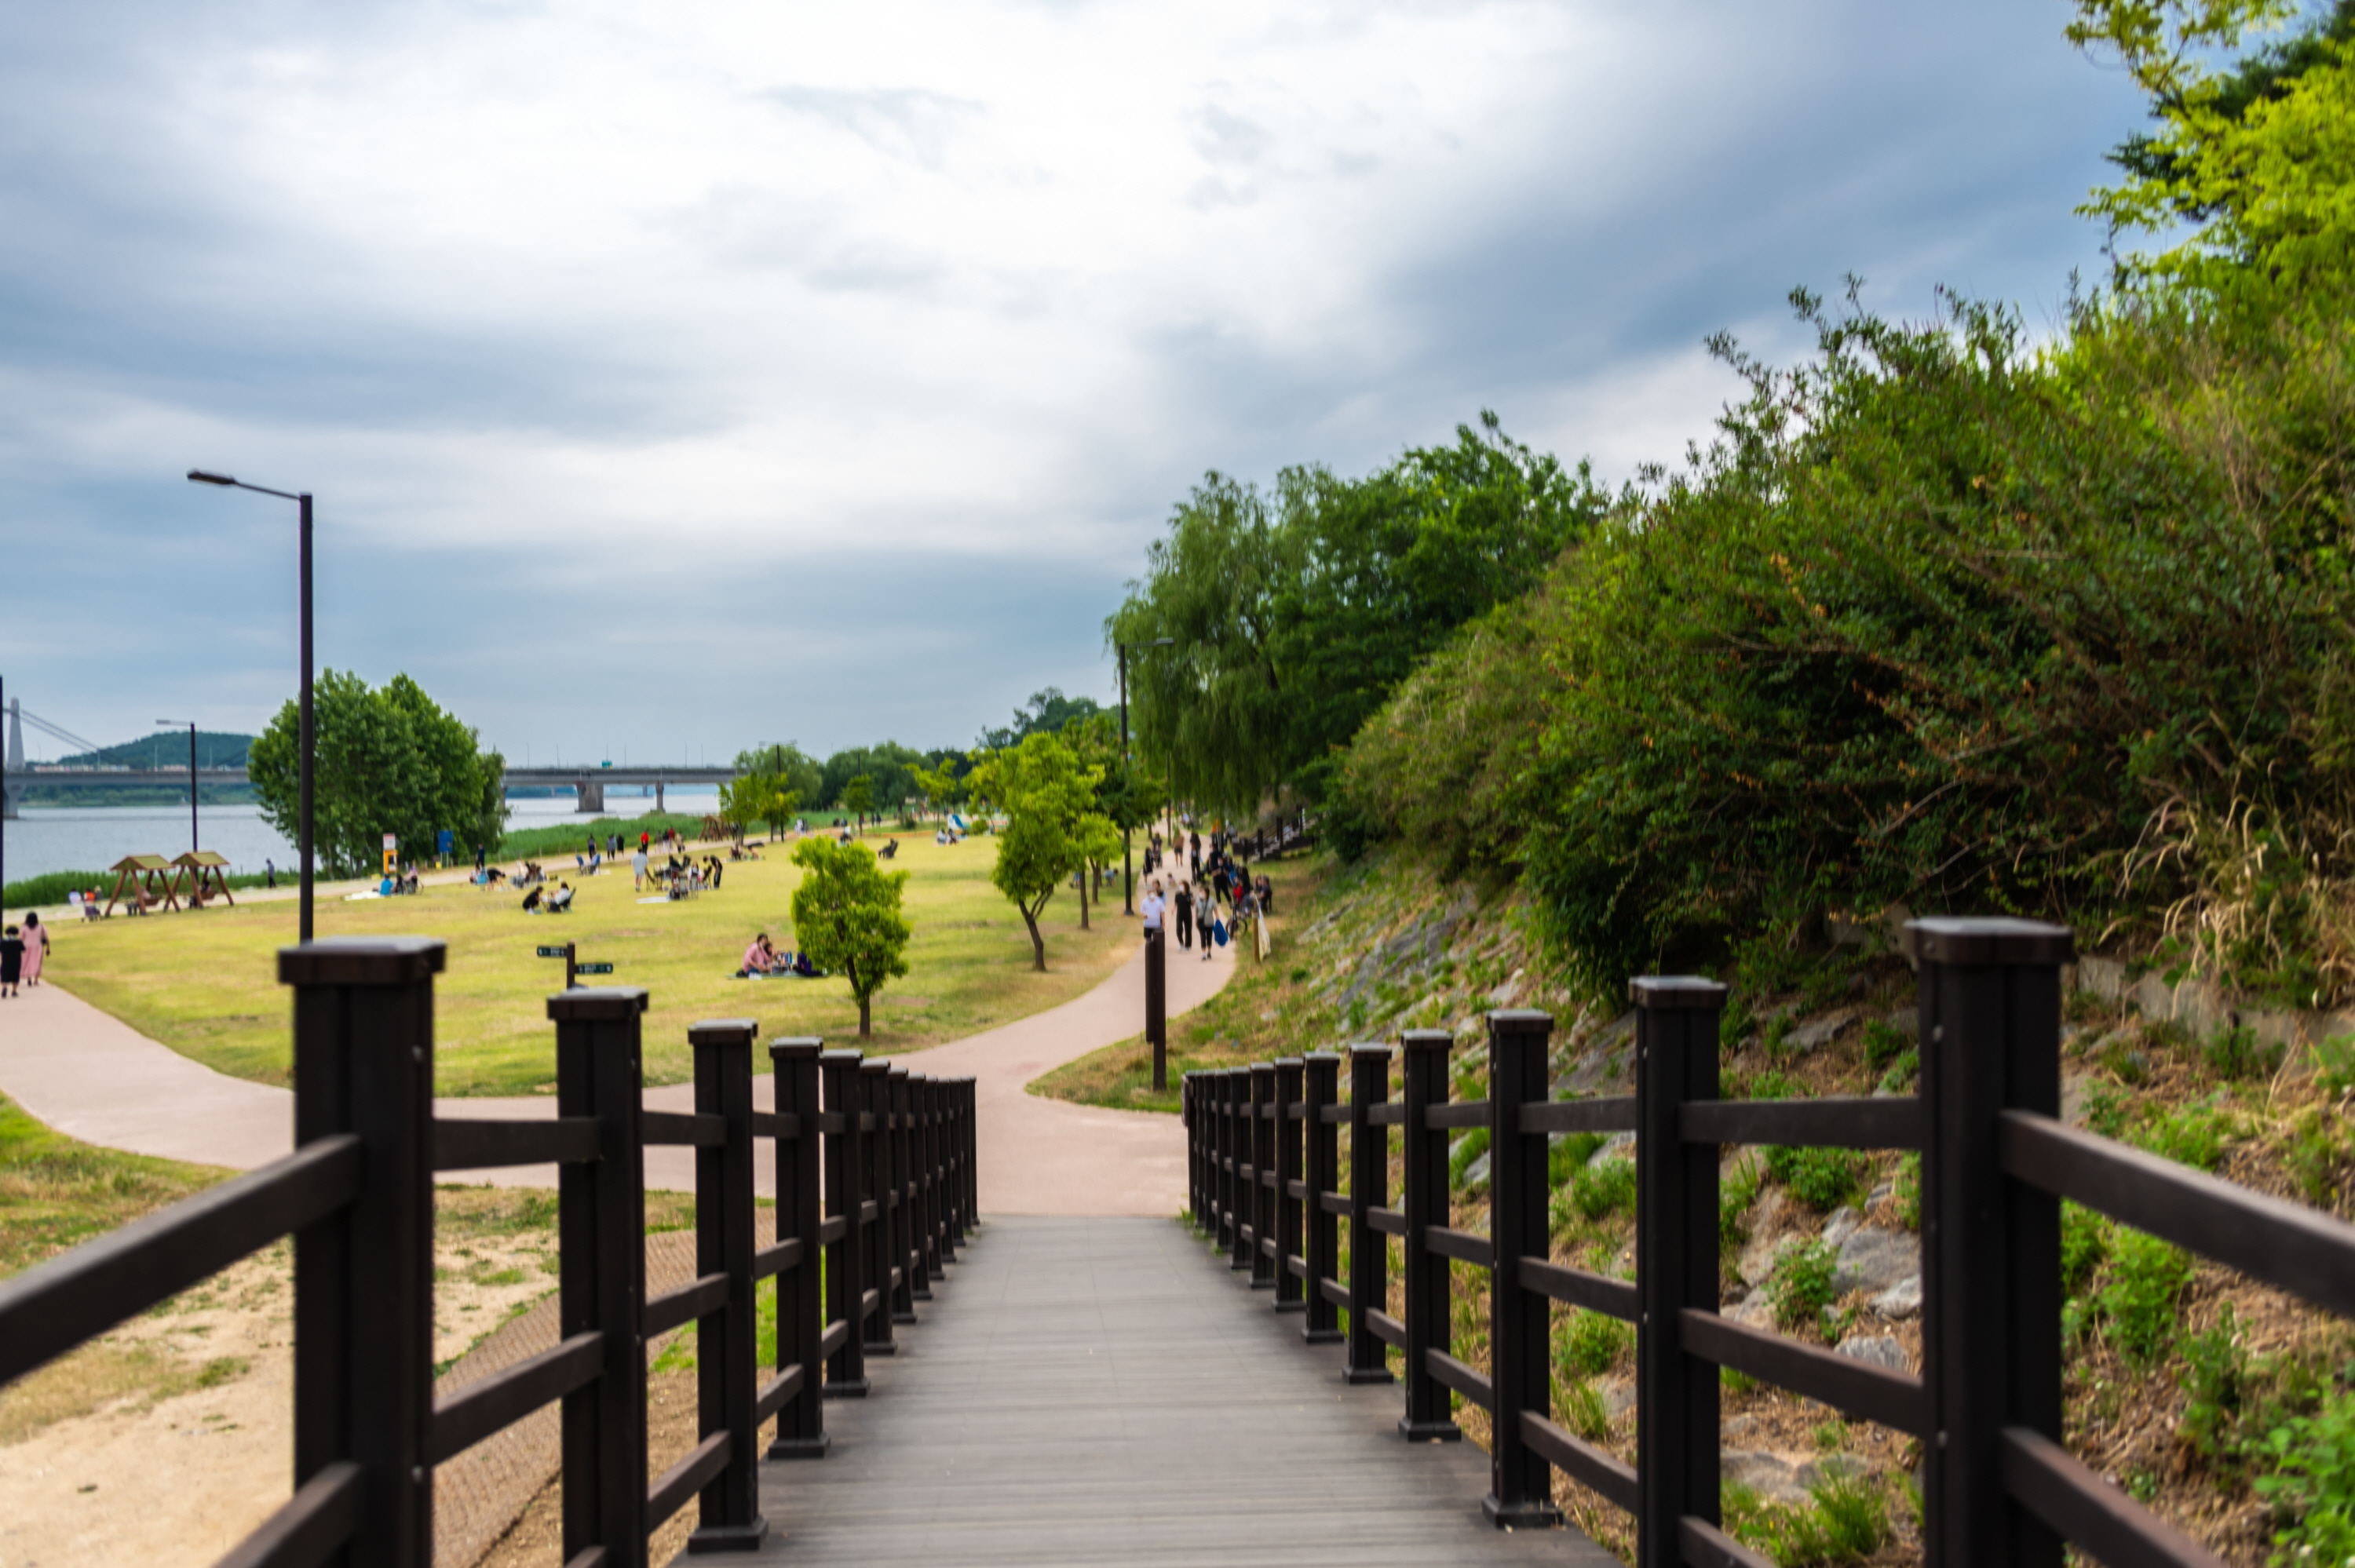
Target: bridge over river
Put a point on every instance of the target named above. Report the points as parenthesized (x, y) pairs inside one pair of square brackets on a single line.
[(589, 783)]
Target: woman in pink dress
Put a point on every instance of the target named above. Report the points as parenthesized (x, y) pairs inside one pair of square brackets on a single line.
[(37, 947)]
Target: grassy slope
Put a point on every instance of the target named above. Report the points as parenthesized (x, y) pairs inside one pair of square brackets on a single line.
[(205, 985), (1357, 962)]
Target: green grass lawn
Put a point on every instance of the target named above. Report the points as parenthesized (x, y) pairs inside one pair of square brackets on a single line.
[(206, 983)]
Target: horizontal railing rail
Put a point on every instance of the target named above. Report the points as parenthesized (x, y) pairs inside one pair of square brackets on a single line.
[(1271, 1186), (878, 1182)]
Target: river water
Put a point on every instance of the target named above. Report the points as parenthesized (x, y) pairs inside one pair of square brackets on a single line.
[(94, 837)]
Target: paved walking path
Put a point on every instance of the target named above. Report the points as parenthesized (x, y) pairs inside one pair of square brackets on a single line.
[(93, 1077), (1094, 1390)]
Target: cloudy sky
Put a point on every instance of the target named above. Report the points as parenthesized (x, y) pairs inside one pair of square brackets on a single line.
[(678, 377)]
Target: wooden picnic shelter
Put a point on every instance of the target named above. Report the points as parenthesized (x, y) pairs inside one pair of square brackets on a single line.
[(142, 880), (203, 875)]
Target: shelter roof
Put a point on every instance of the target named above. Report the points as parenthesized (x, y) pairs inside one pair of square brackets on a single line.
[(202, 857), (141, 862)]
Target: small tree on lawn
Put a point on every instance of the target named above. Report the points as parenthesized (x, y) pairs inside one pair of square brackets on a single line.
[(859, 796), (1046, 797), (846, 918)]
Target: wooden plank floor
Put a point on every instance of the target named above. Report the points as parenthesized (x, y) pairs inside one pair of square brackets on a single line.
[(1099, 1390)]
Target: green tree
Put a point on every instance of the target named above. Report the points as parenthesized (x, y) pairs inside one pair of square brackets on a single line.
[(859, 795), (1047, 711), (942, 783), (1296, 612), (2257, 158), (389, 761), (1047, 796), (756, 798), (801, 776), (846, 918)]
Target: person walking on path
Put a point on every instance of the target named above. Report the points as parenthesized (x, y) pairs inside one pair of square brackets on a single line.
[(12, 960), (1151, 909), (1185, 902), (37, 947)]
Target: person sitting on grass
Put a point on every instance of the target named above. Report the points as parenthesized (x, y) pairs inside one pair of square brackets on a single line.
[(532, 902), (760, 960), (803, 967), (562, 899)]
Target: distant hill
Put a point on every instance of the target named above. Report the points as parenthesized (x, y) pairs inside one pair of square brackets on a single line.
[(167, 749)]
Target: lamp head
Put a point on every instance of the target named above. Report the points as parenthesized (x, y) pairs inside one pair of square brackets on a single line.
[(199, 476)]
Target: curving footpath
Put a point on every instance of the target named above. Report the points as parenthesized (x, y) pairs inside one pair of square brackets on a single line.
[(95, 1078)]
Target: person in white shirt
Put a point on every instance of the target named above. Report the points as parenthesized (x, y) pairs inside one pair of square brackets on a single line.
[(1151, 909)]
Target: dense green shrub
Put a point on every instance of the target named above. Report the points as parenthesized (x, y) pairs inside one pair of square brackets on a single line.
[(1565, 1159), (2312, 1482), (1844, 1521), (1594, 1342), (2137, 1302), (1467, 1149), (1801, 1284), (1604, 1188), (1822, 1179)]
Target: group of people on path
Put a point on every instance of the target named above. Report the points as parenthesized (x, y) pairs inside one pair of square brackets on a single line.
[(1211, 897), (21, 955)]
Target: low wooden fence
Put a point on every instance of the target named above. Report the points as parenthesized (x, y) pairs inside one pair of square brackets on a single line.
[(874, 1172), (1264, 1170)]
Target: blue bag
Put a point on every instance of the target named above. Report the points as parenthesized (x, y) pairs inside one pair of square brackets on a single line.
[(1218, 932)]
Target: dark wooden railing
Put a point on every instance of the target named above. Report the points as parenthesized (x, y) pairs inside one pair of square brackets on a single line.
[(898, 1194), (1265, 1182)]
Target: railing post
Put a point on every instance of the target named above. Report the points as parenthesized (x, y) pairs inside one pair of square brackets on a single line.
[(945, 1164), (1261, 1206), (602, 1221), (1520, 1494), (846, 1260), (1193, 1147), (1369, 1188), (1234, 1154), (1676, 1261), (902, 1217), (364, 1278), (875, 1187), (727, 1343), (970, 1109), (801, 1303), (1990, 999), (1321, 1174), (927, 1090), (1289, 1137), (1430, 1417)]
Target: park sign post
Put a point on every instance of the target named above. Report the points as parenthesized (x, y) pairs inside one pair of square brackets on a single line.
[(573, 966), (391, 852)]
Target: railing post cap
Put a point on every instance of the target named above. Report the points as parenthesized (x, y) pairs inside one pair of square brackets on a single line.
[(841, 1056), (899, 1072), (796, 1048), (1978, 943), (1365, 1049), (597, 1004), (1261, 1069), (362, 960), (1426, 1039), (1318, 1058), (1666, 992), (1521, 1021), (1292, 1062), (877, 1066), (722, 1032)]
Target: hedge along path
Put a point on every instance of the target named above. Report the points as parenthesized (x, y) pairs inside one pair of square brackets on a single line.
[(200, 983)]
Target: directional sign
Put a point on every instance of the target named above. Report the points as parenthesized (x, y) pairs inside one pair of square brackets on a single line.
[(592, 969), (551, 952)]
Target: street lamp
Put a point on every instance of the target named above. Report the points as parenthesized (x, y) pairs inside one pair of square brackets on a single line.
[(1127, 871), (173, 723), (304, 748)]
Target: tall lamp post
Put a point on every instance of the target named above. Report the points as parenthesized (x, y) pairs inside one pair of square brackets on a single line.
[(173, 723), (304, 748), (1127, 869)]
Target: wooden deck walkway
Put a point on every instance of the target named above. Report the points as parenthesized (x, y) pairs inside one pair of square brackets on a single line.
[(1099, 1392)]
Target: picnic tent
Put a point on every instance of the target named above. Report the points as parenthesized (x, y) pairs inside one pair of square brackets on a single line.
[(203, 875), (142, 881)]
